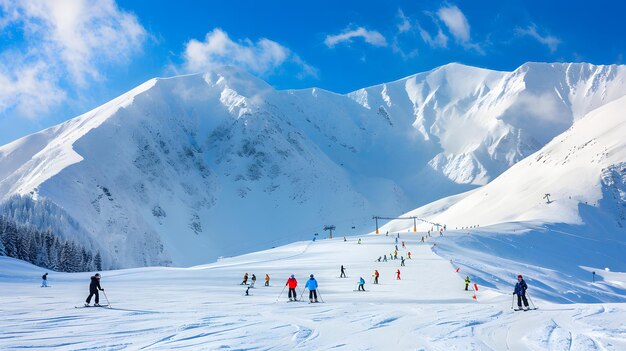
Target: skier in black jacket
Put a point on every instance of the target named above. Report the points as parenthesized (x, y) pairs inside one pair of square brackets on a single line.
[(94, 286), (520, 291)]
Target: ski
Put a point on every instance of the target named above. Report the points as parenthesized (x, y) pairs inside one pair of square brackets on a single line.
[(103, 306), (524, 309), (361, 290)]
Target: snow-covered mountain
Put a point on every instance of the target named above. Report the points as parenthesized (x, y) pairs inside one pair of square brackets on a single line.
[(182, 170), (578, 228)]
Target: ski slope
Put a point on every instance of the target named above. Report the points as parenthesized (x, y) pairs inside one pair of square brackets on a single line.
[(203, 307)]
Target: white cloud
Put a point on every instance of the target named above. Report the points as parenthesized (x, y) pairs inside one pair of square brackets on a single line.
[(65, 43), (261, 57), (456, 22), (438, 40), (550, 41), (369, 36), (405, 24)]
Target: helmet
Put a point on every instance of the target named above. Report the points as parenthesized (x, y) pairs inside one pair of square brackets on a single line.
[(519, 276), (311, 276), (292, 276), (98, 275)]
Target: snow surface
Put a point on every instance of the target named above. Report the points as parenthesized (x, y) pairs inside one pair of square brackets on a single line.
[(203, 307), (180, 171)]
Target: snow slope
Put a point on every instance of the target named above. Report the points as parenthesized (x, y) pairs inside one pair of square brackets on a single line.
[(185, 169), (203, 307), (584, 171)]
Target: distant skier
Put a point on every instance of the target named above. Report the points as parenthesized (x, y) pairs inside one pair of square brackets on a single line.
[(398, 275), (248, 290), (267, 280), (94, 286), (403, 246), (422, 239), (520, 291), (311, 284), (379, 258), (44, 280), (361, 284), (343, 272), (292, 283), (395, 255), (376, 275), (409, 254), (397, 239), (359, 242), (385, 258), (467, 282), (245, 279), (387, 234), (253, 281), (396, 247), (344, 239), (401, 260)]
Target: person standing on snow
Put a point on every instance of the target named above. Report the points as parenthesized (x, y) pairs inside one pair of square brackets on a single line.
[(94, 286), (292, 283), (253, 281), (409, 254), (44, 280), (245, 279), (361, 284), (267, 280), (402, 261), (385, 258), (398, 275), (343, 272), (311, 284), (467, 281), (520, 291), (376, 275), (403, 246)]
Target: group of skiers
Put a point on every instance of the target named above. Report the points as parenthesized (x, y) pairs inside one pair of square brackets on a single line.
[(253, 280), (312, 285)]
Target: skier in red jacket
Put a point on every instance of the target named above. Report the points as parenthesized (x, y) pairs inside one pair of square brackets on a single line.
[(398, 274), (292, 283)]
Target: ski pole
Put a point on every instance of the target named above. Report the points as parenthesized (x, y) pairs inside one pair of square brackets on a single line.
[(531, 301), (320, 294), (105, 296), (281, 293), (302, 293)]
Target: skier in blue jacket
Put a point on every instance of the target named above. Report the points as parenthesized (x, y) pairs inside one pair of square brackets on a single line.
[(520, 291), (311, 284), (361, 284)]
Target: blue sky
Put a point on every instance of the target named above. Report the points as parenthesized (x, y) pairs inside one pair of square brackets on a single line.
[(61, 58)]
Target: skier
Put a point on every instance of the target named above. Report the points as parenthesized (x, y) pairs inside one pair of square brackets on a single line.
[(422, 239), (359, 242), (409, 254), (267, 280), (379, 258), (344, 239), (398, 274), (396, 247), (397, 239), (387, 234), (311, 284), (245, 279), (395, 255), (520, 291), (292, 283), (44, 280), (403, 245), (361, 284), (343, 272), (385, 258), (467, 281), (401, 260), (94, 286), (376, 275), (253, 281)]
